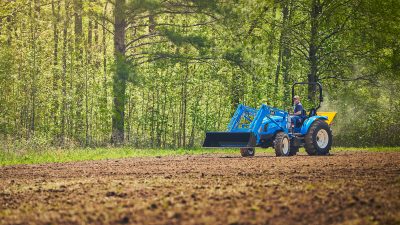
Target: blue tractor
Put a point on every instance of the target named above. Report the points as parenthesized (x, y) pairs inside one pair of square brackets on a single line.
[(271, 127)]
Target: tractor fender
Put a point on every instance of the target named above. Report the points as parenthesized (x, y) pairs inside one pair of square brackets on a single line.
[(309, 121)]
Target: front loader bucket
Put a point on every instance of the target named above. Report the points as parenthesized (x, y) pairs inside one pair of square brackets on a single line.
[(229, 140)]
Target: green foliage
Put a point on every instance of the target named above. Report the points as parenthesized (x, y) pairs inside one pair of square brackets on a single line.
[(205, 4), (187, 64), (180, 39), (143, 5), (234, 56)]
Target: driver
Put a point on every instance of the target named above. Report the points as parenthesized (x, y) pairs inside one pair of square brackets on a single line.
[(298, 111)]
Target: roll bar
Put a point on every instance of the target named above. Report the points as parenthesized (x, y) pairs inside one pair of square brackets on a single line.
[(321, 99)]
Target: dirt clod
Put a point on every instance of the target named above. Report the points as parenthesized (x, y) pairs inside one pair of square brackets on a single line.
[(124, 220)]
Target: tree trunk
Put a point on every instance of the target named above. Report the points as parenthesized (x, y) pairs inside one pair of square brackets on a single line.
[(88, 62), (175, 134), (237, 89), (9, 30), (129, 117), (35, 66), (64, 72), (146, 118), (152, 116), (283, 56), (286, 52), (120, 76), (78, 68), (182, 136), (104, 101), (158, 120), (278, 72), (194, 113), (163, 122), (316, 9), (55, 101)]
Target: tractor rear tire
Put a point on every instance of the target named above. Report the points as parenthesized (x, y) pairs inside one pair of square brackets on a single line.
[(247, 152), (318, 140), (282, 144)]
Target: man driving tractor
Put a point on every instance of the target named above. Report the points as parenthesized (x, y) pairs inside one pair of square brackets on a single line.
[(299, 112)]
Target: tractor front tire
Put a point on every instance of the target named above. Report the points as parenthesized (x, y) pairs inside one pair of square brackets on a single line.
[(318, 140), (247, 152), (282, 144)]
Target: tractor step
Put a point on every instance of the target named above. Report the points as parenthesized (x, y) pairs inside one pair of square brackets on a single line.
[(230, 140)]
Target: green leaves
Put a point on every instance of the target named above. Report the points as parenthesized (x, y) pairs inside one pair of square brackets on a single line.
[(234, 56), (180, 39), (139, 6)]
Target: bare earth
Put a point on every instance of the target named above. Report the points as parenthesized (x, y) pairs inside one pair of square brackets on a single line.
[(344, 188)]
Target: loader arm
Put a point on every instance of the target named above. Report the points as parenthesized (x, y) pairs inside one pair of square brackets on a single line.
[(256, 123), (241, 112), (244, 129)]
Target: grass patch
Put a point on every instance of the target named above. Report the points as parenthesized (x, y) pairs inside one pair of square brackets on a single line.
[(72, 155), (368, 149)]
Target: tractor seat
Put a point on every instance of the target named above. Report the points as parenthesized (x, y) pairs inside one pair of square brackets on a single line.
[(299, 122), (303, 117), (313, 112)]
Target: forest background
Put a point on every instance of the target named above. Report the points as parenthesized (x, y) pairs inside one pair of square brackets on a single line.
[(160, 73)]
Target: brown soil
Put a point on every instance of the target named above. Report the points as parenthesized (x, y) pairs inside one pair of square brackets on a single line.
[(346, 188)]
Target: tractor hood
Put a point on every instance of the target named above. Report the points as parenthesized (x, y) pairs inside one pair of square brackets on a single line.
[(276, 118)]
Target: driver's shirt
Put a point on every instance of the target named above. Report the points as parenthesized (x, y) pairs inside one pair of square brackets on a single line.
[(298, 108)]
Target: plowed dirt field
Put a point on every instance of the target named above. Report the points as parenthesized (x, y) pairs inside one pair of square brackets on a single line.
[(344, 188)]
